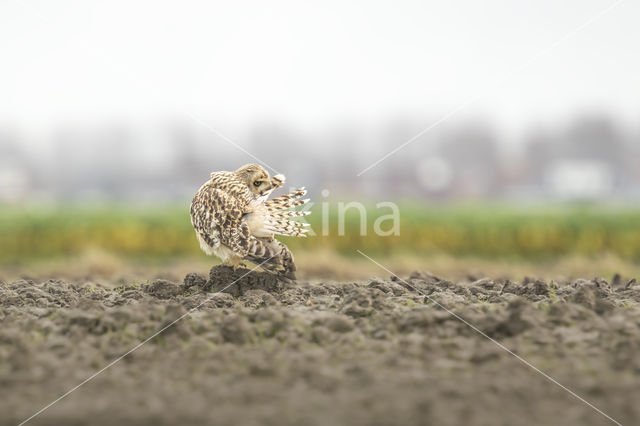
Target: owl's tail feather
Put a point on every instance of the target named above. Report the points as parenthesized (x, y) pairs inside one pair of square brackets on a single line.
[(272, 256), (279, 216)]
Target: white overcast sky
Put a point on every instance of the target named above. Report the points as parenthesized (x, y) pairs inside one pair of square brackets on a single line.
[(308, 63)]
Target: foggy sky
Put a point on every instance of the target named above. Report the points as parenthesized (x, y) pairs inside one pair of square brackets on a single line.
[(310, 63)]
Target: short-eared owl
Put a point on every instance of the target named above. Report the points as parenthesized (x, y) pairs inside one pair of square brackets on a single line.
[(234, 220)]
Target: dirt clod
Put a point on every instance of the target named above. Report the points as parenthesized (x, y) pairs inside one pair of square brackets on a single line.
[(162, 289), (194, 280)]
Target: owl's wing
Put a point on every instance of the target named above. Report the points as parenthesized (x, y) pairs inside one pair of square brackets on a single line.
[(218, 218), (277, 218)]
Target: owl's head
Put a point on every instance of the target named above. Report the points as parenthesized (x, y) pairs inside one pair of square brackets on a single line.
[(258, 179)]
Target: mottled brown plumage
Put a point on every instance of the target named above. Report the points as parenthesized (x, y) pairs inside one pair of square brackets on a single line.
[(234, 220)]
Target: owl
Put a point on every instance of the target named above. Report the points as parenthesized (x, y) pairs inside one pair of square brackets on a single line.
[(235, 221)]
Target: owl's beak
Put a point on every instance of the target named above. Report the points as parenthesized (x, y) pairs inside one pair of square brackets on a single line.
[(266, 192)]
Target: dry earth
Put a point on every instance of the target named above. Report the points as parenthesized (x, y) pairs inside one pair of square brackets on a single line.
[(373, 352)]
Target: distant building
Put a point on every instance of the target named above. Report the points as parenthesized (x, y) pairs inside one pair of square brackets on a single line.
[(588, 160), (580, 179)]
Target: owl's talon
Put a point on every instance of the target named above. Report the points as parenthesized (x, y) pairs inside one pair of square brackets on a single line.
[(236, 265)]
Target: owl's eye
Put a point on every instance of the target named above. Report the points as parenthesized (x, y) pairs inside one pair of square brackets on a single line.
[(257, 183)]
